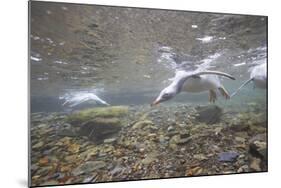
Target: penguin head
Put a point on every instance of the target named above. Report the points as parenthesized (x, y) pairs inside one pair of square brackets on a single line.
[(165, 95)]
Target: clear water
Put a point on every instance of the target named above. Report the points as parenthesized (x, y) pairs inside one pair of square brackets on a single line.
[(127, 56)]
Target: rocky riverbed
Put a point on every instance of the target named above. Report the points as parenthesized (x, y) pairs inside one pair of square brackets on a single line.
[(139, 142)]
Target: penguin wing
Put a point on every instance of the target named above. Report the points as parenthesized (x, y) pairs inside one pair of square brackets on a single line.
[(212, 72), (245, 83), (185, 76)]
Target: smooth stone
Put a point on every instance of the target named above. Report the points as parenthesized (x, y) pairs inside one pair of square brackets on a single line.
[(100, 112), (57, 176), (43, 125), (34, 167), (194, 171), (109, 140), (100, 128), (171, 128), (255, 164), (183, 140), (200, 157), (209, 114), (178, 139), (142, 150), (244, 168), (258, 146), (240, 139), (141, 124), (38, 145), (228, 156), (162, 139)]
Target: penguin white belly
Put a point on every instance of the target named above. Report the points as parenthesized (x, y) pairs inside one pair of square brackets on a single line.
[(202, 83), (259, 76), (260, 82)]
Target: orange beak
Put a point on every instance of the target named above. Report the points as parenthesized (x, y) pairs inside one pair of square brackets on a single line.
[(155, 103)]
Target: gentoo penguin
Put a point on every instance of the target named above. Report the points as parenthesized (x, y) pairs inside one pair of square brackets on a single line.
[(258, 76), (197, 81), (76, 99)]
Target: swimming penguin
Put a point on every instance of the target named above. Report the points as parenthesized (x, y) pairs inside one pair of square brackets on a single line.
[(194, 82), (258, 76), (76, 99)]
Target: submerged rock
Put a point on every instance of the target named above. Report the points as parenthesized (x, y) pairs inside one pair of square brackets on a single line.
[(103, 112), (109, 140), (180, 139), (141, 124), (255, 164), (244, 168), (200, 157), (38, 145), (258, 146), (209, 114), (249, 122), (228, 156), (194, 171), (100, 128), (99, 123)]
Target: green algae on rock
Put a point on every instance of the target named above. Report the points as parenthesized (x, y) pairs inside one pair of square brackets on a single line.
[(92, 113), (99, 123)]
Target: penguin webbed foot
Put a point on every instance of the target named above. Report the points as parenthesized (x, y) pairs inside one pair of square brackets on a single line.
[(224, 93), (212, 96)]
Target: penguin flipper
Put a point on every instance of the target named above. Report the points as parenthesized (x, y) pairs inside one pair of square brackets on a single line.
[(245, 83)]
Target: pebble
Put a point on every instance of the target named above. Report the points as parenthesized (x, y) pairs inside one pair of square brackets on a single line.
[(228, 156), (243, 168), (141, 124), (200, 157), (109, 140), (88, 167), (240, 139), (155, 149), (38, 145), (171, 128), (183, 140), (255, 164), (162, 139), (43, 161), (194, 171), (259, 148)]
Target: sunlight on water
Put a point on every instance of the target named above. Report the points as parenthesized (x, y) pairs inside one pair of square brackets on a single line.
[(205, 39)]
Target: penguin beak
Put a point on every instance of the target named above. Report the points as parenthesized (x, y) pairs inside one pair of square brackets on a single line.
[(154, 103)]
